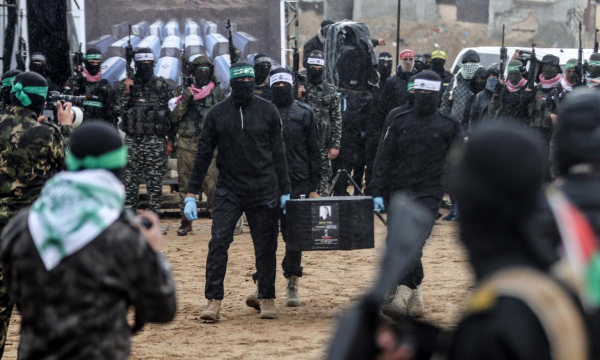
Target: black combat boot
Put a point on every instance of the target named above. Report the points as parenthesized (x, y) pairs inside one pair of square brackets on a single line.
[(185, 227)]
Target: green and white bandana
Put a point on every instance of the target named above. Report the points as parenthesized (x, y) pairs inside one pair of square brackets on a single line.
[(93, 56), (72, 210), (21, 92), (8, 82), (242, 71)]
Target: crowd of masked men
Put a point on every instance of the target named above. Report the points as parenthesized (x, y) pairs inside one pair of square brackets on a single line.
[(76, 253)]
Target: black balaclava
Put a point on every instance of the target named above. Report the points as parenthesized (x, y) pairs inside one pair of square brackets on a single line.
[(426, 103), (410, 95), (497, 183), (427, 58), (143, 71), (577, 132), (594, 70), (478, 81), (92, 69), (262, 67), (385, 66), (202, 70), (550, 66), (282, 96), (95, 138), (437, 65), (38, 63), (419, 63), (6, 87), (242, 93), (28, 79), (315, 76)]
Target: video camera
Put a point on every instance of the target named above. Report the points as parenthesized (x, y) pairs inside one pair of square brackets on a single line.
[(76, 109)]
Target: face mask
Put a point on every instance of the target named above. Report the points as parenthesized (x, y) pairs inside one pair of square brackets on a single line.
[(419, 66), (407, 66), (549, 72), (315, 76), (477, 85), (514, 78), (384, 70), (144, 71), (572, 77), (92, 69), (37, 67), (282, 95), (201, 76), (594, 71), (261, 72), (242, 92), (426, 103), (490, 83), (437, 65), (468, 70)]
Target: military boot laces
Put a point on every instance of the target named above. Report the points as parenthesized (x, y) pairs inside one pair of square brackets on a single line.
[(292, 298), (252, 299), (185, 227), (212, 312), (268, 310)]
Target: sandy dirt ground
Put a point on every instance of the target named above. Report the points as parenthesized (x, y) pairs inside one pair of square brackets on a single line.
[(332, 281)]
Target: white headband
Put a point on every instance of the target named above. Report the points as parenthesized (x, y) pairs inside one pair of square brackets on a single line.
[(279, 77), (431, 85), (384, 58), (316, 61), (144, 57)]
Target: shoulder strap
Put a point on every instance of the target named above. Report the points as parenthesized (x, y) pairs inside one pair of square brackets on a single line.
[(552, 305)]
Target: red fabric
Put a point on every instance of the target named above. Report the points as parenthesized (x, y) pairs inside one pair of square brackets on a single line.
[(547, 84), (407, 54), (92, 78), (512, 88)]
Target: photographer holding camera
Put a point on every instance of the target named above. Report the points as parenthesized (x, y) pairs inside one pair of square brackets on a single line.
[(75, 261), (32, 151), (99, 94)]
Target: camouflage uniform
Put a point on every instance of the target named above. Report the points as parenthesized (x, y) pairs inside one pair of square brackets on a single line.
[(325, 102), (189, 117), (146, 122), (78, 310), (30, 154)]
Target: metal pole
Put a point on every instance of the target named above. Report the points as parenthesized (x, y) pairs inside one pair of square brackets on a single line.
[(398, 33)]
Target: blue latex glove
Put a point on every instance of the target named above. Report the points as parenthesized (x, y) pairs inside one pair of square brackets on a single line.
[(282, 201), (363, 134), (378, 204), (191, 210)]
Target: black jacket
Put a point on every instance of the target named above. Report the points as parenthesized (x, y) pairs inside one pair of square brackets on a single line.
[(301, 141), (513, 105), (251, 158), (479, 109), (315, 44), (394, 94), (413, 154)]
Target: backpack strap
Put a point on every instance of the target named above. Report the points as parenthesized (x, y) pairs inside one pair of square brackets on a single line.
[(552, 305)]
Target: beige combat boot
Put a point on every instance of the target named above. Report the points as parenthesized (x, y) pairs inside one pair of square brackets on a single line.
[(212, 312), (252, 299), (400, 304), (268, 310), (292, 299), (416, 306)]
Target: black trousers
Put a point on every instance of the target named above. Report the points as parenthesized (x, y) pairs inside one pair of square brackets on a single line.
[(415, 275), (545, 136), (372, 143), (360, 161), (293, 256), (262, 212), (346, 159)]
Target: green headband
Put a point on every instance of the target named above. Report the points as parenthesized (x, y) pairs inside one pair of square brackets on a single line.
[(21, 92), (570, 65), (513, 69), (115, 159), (8, 82), (93, 56), (594, 63), (242, 71), (411, 86)]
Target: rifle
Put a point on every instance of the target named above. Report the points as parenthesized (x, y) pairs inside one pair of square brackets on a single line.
[(532, 68), (232, 53), (78, 63), (596, 41), (129, 57), (503, 56), (580, 70), (21, 55), (186, 81), (296, 57)]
